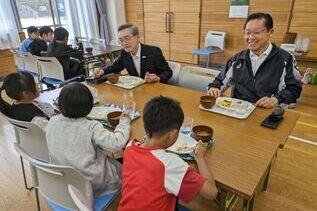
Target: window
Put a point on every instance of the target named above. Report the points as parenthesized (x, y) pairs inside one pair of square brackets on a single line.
[(40, 13)]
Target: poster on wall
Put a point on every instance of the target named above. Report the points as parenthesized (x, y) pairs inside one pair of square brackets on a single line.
[(239, 8)]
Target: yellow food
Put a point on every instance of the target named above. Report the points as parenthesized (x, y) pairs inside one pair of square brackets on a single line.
[(183, 148), (225, 103)]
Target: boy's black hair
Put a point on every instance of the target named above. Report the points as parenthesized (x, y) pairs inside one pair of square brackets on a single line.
[(161, 115), (32, 29), (75, 100), (268, 20), (45, 30), (14, 84), (60, 33)]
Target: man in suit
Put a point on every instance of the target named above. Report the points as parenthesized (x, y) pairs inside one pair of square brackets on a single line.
[(140, 60)]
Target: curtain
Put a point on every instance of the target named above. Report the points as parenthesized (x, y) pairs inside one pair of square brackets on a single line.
[(81, 18), (9, 36), (104, 26)]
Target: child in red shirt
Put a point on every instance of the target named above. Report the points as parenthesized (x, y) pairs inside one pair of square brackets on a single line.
[(154, 178)]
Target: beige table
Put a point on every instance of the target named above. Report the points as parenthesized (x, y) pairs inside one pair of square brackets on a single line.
[(243, 151)]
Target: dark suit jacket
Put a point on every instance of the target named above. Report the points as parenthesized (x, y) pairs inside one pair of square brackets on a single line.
[(152, 61), (63, 52)]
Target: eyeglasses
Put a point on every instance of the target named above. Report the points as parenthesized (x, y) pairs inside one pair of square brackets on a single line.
[(255, 33), (126, 38)]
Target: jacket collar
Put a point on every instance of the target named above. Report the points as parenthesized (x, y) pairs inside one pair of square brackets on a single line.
[(244, 55)]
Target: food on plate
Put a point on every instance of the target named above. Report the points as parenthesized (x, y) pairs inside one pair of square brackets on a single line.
[(184, 147), (225, 102)]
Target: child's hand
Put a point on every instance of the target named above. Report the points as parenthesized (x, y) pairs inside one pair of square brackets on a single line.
[(200, 150), (125, 114)]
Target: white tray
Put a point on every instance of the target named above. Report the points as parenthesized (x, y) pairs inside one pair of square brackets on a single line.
[(229, 112), (102, 111), (128, 82)]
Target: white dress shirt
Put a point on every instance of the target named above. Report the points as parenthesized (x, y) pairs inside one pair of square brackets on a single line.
[(137, 60), (256, 60)]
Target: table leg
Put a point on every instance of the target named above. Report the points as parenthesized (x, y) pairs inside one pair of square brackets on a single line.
[(223, 200), (266, 181), (248, 204), (86, 66), (227, 200)]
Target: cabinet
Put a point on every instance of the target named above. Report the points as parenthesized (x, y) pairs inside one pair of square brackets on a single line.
[(172, 25)]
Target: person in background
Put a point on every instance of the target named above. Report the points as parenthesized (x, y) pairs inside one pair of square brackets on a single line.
[(73, 140), (263, 74), (40, 45), (21, 87), (140, 60), (152, 177), (32, 35), (66, 54)]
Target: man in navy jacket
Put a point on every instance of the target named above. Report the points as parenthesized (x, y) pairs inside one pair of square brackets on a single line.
[(262, 74)]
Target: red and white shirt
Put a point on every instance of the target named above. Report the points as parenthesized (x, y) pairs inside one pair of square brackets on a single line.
[(153, 178)]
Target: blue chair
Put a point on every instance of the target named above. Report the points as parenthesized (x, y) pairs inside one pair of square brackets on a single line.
[(51, 70), (30, 140), (54, 181), (100, 203), (214, 43)]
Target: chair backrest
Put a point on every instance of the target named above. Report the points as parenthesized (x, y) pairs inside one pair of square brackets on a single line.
[(78, 198), (53, 181), (215, 39), (115, 42), (97, 41), (176, 67), (19, 60), (30, 63), (31, 138), (81, 39), (196, 78), (50, 68)]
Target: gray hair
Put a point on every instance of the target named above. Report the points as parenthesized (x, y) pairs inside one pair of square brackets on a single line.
[(133, 28)]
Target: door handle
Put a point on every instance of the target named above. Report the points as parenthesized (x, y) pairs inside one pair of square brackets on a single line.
[(166, 22), (171, 16)]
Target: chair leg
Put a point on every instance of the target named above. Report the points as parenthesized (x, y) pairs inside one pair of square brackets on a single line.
[(208, 60), (24, 177), (37, 199)]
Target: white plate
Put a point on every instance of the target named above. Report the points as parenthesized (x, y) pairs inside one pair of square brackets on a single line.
[(101, 112), (183, 145)]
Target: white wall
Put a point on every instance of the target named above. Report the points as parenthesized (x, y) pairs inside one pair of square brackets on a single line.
[(116, 16)]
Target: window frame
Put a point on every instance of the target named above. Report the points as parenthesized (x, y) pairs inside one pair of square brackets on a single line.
[(54, 15)]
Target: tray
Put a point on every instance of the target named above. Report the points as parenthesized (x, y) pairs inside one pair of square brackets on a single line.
[(104, 110), (128, 82), (231, 111), (183, 145)]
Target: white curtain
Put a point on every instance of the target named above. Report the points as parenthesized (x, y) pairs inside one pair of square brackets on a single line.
[(9, 36), (82, 18), (104, 26)]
